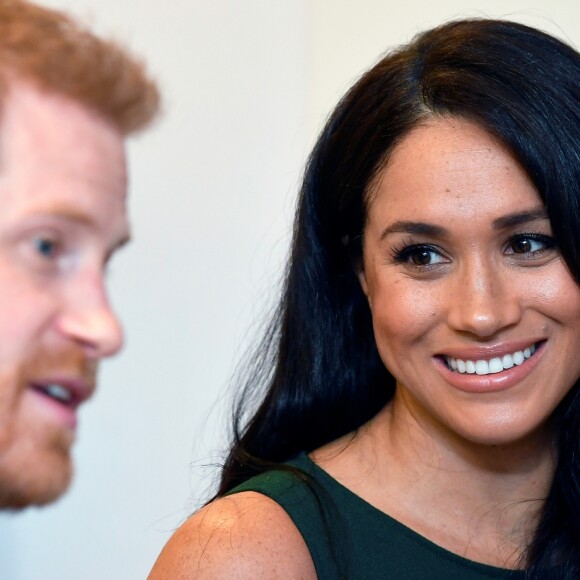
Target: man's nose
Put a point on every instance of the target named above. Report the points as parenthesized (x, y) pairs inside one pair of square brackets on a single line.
[(483, 300), (88, 319)]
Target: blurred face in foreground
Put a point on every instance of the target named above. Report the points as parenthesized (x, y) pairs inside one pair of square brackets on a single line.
[(474, 311), (62, 194)]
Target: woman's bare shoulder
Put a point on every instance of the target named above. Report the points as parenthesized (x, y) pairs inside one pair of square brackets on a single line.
[(245, 535)]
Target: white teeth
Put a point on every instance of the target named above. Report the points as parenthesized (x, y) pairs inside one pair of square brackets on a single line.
[(507, 361), (59, 393), (488, 367), (482, 367), (495, 365)]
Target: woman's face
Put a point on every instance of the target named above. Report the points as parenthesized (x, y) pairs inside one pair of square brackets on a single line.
[(474, 311)]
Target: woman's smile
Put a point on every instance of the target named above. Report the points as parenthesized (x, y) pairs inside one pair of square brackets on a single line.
[(491, 371), (497, 364)]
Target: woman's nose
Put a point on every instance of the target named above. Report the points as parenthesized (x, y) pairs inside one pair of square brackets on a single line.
[(483, 302)]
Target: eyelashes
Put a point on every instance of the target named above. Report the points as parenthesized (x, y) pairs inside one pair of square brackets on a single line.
[(418, 255), (530, 244)]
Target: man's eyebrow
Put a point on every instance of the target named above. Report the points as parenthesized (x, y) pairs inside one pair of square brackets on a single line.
[(519, 218), (66, 213), (418, 228)]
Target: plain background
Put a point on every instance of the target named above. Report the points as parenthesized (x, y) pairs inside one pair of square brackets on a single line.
[(247, 85)]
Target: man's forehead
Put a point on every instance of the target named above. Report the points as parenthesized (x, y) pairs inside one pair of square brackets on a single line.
[(27, 100), (59, 158)]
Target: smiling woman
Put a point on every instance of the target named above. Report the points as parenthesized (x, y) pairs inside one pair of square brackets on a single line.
[(421, 417), (468, 273)]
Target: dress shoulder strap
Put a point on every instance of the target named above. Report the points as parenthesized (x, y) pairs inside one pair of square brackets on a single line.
[(307, 504)]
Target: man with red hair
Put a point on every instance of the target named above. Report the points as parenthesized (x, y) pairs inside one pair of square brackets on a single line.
[(68, 100)]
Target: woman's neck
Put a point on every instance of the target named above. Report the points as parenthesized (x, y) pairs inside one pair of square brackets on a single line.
[(481, 502)]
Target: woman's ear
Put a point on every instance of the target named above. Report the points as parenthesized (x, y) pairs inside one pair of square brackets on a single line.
[(363, 281)]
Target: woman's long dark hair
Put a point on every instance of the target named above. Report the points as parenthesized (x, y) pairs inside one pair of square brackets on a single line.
[(318, 364)]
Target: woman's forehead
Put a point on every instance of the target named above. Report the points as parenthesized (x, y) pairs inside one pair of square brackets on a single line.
[(450, 167)]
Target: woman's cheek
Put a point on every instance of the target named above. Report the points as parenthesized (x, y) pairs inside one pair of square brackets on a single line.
[(556, 295), (404, 311)]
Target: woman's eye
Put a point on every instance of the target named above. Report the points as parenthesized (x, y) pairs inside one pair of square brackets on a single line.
[(419, 256), (530, 244), (424, 257)]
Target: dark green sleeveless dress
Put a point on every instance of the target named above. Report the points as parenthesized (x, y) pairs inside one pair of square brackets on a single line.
[(348, 538)]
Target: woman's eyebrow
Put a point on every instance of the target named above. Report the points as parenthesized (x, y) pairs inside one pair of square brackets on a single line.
[(516, 219), (418, 228), (425, 229)]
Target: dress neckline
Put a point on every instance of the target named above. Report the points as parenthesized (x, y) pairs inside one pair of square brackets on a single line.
[(304, 460)]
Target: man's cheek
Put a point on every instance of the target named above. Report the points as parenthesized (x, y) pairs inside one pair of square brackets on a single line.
[(10, 394), (7, 432)]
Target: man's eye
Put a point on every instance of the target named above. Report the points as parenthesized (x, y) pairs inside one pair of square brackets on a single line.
[(46, 247)]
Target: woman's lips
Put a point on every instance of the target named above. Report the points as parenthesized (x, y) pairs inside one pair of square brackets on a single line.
[(481, 374), (490, 366)]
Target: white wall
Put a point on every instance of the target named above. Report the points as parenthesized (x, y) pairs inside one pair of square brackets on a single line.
[(247, 85)]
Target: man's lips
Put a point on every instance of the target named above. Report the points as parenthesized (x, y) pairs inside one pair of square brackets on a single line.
[(68, 391)]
